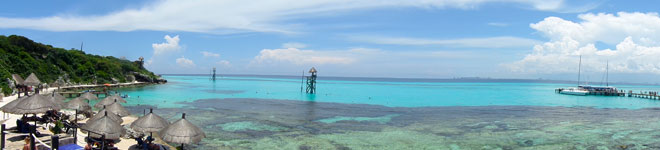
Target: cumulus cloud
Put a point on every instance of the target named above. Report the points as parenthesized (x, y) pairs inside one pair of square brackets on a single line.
[(210, 54), (635, 36), (229, 16), (171, 44), (184, 62), (489, 42), (293, 45), (607, 28)]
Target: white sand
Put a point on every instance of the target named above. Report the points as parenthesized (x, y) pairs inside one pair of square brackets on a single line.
[(10, 121)]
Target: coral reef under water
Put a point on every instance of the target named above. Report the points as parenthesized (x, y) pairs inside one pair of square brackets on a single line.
[(306, 125)]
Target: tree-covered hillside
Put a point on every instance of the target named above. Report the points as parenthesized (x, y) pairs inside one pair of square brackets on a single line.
[(20, 55)]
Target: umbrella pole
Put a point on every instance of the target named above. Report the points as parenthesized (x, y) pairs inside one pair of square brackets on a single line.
[(103, 142), (151, 134), (181, 146), (75, 130)]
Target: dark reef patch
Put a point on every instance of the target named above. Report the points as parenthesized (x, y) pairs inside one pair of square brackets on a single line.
[(224, 91), (469, 127)]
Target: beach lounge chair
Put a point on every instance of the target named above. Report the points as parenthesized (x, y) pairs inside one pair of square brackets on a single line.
[(140, 143), (71, 147)]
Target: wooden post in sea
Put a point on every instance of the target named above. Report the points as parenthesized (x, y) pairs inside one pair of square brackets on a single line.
[(311, 81), (213, 77)]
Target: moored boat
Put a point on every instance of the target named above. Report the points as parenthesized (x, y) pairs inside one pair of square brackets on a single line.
[(574, 91)]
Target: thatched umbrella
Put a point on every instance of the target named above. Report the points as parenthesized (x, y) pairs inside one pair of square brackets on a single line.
[(17, 78), (313, 70), (108, 101), (182, 132), (112, 98), (32, 80), (78, 104), (102, 113), (35, 104), (9, 107), (59, 103), (118, 109), (149, 123), (104, 126), (58, 96), (89, 96)]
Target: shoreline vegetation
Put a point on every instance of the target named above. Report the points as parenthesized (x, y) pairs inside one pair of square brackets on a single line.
[(61, 67)]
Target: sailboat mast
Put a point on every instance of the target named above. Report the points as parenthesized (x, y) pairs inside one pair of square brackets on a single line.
[(579, 69), (607, 73)]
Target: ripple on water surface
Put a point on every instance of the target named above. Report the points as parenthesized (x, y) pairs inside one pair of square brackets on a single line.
[(237, 123)]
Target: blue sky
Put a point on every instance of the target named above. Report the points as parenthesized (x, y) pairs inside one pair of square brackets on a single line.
[(413, 38)]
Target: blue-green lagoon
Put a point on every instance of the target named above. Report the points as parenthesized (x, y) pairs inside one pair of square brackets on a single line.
[(271, 112)]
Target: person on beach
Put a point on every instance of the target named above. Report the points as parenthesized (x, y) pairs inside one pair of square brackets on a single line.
[(88, 147), (27, 143)]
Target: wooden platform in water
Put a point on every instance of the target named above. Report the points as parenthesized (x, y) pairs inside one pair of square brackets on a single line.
[(101, 89), (607, 93), (650, 95), (77, 94)]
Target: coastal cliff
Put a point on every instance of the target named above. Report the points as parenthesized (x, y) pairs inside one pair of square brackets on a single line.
[(22, 56)]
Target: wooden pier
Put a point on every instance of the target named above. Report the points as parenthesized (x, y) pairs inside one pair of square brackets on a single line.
[(646, 95), (642, 94), (101, 89), (607, 93), (77, 94)]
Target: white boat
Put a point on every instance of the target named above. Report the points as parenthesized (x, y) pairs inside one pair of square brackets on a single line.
[(580, 90), (574, 91)]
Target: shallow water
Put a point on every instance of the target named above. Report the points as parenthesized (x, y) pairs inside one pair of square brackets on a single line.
[(270, 113), (394, 93), (284, 124)]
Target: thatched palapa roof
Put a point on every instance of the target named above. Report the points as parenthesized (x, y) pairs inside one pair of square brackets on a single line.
[(32, 80), (182, 132), (17, 78), (149, 123), (35, 104), (104, 126)]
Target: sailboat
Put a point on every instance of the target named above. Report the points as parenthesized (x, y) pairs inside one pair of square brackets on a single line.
[(602, 89), (579, 90)]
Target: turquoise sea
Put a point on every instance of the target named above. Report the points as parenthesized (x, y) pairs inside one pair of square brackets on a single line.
[(271, 112), (399, 93)]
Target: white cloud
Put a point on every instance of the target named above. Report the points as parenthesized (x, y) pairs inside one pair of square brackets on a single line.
[(171, 44), (222, 16), (636, 36), (489, 42), (210, 54), (349, 56), (184, 62), (372, 62), (300, 57), (607, 28), (498, 24), (223, 63), (293, 45)]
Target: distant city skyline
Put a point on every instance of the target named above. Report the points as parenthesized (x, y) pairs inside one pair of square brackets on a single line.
[(404, 39)]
